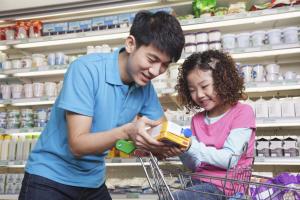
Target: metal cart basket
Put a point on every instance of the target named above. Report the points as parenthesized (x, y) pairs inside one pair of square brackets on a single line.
[(239, 183)]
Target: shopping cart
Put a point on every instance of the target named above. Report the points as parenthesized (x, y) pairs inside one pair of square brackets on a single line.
[(173, 183)]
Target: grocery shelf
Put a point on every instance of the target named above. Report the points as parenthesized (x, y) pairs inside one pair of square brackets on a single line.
[(277, 123), (3, 76), (247, 18), (35, 71), (277, 161), (118, 34), (272, 86), (33, 101), (9, 196), (22, 131), (260, 52), (73, 38)]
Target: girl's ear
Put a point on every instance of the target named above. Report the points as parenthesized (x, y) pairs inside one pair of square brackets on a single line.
[(130, 44)]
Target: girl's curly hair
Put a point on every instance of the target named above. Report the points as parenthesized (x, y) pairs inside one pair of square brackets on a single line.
[(227, 83)]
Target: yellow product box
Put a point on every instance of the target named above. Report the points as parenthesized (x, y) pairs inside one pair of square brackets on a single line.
[(172, 133)]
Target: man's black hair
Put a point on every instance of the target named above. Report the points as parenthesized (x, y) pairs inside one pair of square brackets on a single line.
[(160, 29)]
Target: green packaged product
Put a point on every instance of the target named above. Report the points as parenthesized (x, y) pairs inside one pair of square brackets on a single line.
[(203, 6)]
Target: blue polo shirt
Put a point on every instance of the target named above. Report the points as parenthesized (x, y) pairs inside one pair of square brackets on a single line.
[(92, 87)]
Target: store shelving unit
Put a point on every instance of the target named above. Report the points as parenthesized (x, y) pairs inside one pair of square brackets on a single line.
[(279, 17)]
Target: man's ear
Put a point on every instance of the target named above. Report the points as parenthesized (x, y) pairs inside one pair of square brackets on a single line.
[(130, 44)]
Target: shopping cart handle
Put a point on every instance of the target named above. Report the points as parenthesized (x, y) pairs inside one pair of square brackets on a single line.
[(125, 146)]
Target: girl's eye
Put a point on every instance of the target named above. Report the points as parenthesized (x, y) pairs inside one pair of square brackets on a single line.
[(205, 86), (192, 91)]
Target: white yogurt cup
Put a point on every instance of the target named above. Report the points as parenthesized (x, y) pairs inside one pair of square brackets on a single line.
[(274, 36), (243, 40), (228, 41), (290, 34), (258, 38)]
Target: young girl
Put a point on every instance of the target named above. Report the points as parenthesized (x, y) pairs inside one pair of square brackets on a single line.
[(210, 81)]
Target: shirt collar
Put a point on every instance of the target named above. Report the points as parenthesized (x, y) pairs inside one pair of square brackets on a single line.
[(112, 71)]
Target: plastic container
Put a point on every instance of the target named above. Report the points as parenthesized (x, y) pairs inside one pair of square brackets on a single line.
[(261, 108), (9, 33), (216, 45), (26, 62), (272, 77), (258, 73), (201, 37), (50, 89), (214, 35), (274, 36), (258, 38), (59, 58), (228, 41), (26, 147), (17, 91), (16, 64), (6, 92), (274, 107), (38, 89), (287, 107), (51, 59), (272, 68), (12, 148), (6, 65), (290, 34), (28, 90), (247, 73), (38, 60), (4, 147), (190, 38), (243, 40), (202, 46), (190, 48), (20, 144)]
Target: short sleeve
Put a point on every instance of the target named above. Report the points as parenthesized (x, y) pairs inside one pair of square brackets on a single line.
[(77, 94), (152, 107), (244, 118)]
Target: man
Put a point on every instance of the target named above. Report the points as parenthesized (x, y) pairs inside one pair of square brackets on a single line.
[(101, 96)]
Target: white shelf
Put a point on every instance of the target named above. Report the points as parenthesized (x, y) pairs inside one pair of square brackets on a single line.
[(260, 52), (284, 13), (277, 161), (270, 87), (37, 71), (28, 101), (33, 101), (3, 76), (73, 38), (22, 131), (281, 122), (9, 196), (247, 18)]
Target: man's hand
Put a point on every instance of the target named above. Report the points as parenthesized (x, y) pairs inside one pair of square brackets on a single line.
[(137, 132)]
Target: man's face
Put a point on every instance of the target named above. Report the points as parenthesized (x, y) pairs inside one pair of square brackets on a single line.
[(146, 63)]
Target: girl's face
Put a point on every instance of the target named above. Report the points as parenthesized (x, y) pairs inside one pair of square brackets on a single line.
[(201, 88)]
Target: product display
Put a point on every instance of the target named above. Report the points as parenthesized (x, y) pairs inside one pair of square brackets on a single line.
[(261, 36)]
